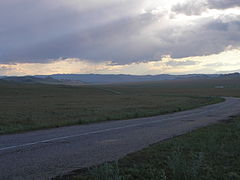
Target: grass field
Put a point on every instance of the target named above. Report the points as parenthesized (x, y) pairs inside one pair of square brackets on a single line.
[(36, 106), (211, 153), (184, 87)]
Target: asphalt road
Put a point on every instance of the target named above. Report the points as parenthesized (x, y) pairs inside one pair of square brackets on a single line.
[(48, 153)]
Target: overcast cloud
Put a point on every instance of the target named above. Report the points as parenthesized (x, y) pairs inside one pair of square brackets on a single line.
[(121, 31)]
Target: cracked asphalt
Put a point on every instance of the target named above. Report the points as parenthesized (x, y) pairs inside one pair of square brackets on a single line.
[(48, 153)]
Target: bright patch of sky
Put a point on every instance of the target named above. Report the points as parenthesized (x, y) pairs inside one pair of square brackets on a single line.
[(216, 63)]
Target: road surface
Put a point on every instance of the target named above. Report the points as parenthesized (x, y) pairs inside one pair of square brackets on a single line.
[(47, 153)]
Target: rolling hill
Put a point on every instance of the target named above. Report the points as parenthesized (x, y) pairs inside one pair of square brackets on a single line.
[(80, 79)]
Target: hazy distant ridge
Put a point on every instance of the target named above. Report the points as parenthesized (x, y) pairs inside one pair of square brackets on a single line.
[(110, 78), (76, 79)]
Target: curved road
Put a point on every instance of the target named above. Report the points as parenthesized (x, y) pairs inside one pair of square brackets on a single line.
[(48, 153)]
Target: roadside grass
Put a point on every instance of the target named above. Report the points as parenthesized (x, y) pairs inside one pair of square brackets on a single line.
[(26, 107), (210, 153)]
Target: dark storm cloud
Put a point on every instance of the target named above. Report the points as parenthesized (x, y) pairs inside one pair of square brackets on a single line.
[(26, 25), (208, 37), (223, 4), (218, 26), (120, 41), (41, 31)]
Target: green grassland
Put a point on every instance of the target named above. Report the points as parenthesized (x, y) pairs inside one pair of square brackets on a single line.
[(185, 87), (211, 153), (35, 106)]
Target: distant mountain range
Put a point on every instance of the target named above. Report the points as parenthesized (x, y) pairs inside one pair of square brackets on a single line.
[(30, 79), (121, 78), (77, 79), (37, 80)]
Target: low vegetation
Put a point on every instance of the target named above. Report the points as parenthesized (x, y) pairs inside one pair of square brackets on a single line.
[(209, 153), (35, 106)]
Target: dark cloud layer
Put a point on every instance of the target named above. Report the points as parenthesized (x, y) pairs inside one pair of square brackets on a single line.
[(223, 4), (39, 31)]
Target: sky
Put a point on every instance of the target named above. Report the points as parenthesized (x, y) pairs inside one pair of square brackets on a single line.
[(119, 36)]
